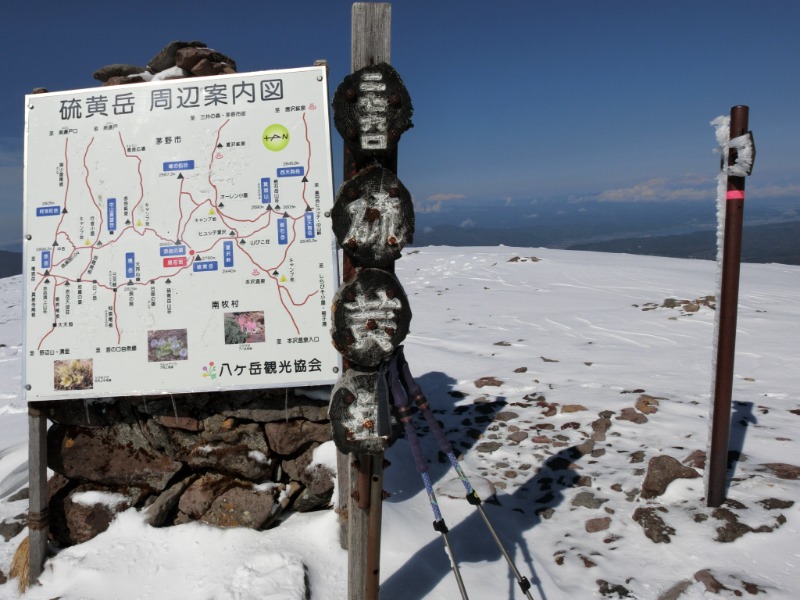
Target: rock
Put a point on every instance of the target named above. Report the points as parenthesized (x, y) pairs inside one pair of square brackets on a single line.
[(202, 492), (587, 500), (710, 582), (598, 524), (676, 590), (775, 503), (632, 415), (20, 495), (696, 459), (287, 438), (783, 470), (317, 479), (606, 589), (86, 520), (521, 370), (117, 455), (205, 68), (571, 408), (10, 528), (661, 471), (245, 460), (306, 501), (599, 429), (490, 446), (518, 436), (647, 404), (294, 408), (185, 423), (506, 415), (488, 382), (187, 58), (166, 57), (637, 457), (166, 502), (240, 506), (733, 529), (653, 525), (117, 70)]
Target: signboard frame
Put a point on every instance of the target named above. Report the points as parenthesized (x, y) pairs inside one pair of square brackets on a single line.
[(191, 249)]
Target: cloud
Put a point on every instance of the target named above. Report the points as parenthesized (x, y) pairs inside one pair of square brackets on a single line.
[(467, 223), (689, 187), (662, 190), (445, 197)]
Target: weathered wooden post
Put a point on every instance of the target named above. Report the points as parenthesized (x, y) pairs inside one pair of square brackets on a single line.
[(372, 221), (38, 522), (737, 164)]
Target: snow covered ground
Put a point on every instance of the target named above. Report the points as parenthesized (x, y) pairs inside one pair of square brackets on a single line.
[(558, 375)]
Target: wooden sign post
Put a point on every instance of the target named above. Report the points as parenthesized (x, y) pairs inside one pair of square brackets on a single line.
[(372, 221)]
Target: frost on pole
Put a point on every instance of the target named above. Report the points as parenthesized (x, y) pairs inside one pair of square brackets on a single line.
[(370, 317), (360, 423), (372, 109), (373, 217), (176, 238)]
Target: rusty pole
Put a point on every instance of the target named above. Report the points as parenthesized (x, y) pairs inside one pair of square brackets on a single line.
[(728, 307)]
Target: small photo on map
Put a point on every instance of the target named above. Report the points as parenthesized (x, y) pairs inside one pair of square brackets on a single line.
[(166, 345), (244, 327), (76, 374)]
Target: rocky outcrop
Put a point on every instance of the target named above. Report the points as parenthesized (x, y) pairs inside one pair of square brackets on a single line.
[(227, 459), (176, 60)]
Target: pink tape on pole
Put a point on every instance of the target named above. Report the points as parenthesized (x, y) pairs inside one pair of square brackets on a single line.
[(735, 195)]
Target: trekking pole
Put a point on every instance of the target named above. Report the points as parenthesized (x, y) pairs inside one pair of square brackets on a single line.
[(404, 415), (415, 392)]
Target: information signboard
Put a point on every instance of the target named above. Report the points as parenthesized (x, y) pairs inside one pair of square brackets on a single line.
[(177, 238)]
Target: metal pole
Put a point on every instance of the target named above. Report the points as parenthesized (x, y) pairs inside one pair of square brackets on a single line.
[(728, 307), (38, 523)]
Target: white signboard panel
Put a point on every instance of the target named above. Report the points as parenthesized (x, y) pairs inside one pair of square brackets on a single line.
[(176, 237)]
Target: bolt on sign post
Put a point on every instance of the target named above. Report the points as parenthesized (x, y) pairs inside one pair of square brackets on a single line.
[(373, 220), (737, 163)]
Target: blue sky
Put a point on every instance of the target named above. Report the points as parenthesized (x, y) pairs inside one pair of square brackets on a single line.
[(607, 99)]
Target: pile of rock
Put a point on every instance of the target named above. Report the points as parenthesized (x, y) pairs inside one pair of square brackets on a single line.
[(175, 61), (231, 459)]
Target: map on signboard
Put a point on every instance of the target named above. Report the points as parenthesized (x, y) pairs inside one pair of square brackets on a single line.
[(176, 236)]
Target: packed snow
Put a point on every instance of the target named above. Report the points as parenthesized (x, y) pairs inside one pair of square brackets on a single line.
[(523, 354)]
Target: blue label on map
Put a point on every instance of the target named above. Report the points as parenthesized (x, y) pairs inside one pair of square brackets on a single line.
[(266, 191), (227, 253), (172, 250), (111, 211), (45, 259), (308, 219), (179, 165), (130, 264), (283, 232), (205, 265), (48, 211), (291, 171)]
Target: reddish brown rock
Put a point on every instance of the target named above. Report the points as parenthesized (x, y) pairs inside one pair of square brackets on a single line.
[(783, 470), (598, 524), (488, 382), (632, 415), (661, 471), (240, 507), (287, 438), (117, 455)]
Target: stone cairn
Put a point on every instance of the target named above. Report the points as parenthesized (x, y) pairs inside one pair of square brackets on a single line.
[(230, 459)]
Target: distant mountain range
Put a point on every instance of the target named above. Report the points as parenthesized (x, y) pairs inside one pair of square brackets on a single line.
[(773, 243)]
